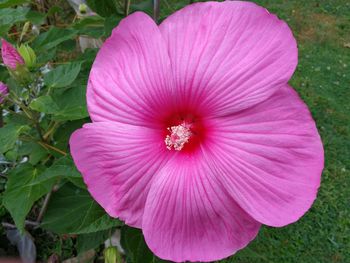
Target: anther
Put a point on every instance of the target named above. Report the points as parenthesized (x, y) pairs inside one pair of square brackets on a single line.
[(179, 136)]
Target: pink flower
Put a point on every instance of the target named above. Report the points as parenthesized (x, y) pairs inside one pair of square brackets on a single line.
[(3, 92), (10, 56), (197, 138)]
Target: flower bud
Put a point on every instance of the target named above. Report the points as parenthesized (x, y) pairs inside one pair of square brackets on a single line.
[(83, 8), (10, 56), (28, 55), (111, 255), (3, 91), (24, 30)]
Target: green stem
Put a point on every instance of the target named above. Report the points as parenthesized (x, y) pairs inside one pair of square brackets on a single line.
[(51, 130), (156, 10), (1, 118), (48, 146), (31, 116), (44, 207), (126, 7)]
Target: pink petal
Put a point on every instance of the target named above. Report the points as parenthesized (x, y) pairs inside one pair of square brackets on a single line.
[(228, 56), (3, 92), (10, 56), (270, 158), (130, 78), (118, 162), (188, 215)]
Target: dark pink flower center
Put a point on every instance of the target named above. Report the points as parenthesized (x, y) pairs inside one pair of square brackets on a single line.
[(183, 132)]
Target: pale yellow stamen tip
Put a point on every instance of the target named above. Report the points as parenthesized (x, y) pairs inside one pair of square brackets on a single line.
[(179, 136)]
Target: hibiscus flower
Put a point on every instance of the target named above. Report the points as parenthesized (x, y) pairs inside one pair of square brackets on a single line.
[(196, 137)]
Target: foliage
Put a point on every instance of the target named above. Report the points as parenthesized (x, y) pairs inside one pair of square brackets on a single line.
[(43, 194), (42, 188)]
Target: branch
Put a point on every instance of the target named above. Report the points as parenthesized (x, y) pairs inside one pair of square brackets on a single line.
[(44, 207), (126, 7), (27, 223), (156, 10), (48, 146)]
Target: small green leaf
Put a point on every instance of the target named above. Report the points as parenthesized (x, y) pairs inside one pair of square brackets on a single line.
[(133, 242), (111, 255), (92, 26), (103, 7), (35, 17), (63, 168), (110, 23), (63, 75), (72, 104), (14, 87), (27, 54), (9, 16), (64, 132), (53, 37), (46, 55), (91, 240), (34, 151), (9, 3), (4, 29), (73, 211), (144, 6), (22, 191), (9, 134), (44, 104)]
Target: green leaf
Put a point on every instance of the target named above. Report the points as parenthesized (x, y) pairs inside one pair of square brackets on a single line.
[(34, 151), (69, 104), (144, 6), (9, 134), (9, 3), (72, 104), (63, 168), (110, 23), (103, 7), (92, 26), (14, 87), (54, 10), (73, 211), (91, 240), (27, 184), (17, 119), (53, 37), (44, 104), (133, 242), (63, 75), (35, 17), (9, 16), (22, 191), (64, 132), (4, 29), (46, 55)]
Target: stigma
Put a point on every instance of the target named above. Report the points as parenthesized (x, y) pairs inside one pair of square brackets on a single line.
[(178, 137)]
